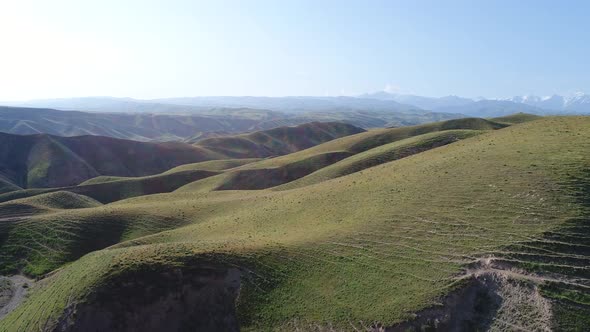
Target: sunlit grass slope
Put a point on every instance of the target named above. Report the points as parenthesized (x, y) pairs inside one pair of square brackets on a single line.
[(372, 246), (516, 118), (382, 154), (284, 169)]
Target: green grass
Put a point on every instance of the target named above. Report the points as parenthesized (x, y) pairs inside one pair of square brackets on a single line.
[(516, 118), (382, 154), (370, 246), (277, 171), (212, 165), (103, 179)]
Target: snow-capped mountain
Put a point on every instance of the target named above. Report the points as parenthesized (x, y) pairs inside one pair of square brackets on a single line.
[(576, 103)]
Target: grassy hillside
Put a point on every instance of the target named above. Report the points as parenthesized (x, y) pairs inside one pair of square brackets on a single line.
[(276, 171), (41, 161), (372, 246), (516, 118), (51, 161), (382, 154), (212, 165), (278, 141)]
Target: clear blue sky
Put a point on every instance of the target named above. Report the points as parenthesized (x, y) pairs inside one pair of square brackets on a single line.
[(150, 49)]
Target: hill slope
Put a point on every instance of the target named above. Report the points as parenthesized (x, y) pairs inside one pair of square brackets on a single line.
[(372, 246), (284, 169), (52, 161), (278, 141)]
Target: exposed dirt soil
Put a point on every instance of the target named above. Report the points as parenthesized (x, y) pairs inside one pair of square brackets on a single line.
[(12, 292), (496, 297)]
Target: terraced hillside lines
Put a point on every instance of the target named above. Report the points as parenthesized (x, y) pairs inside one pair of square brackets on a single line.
[(41, 243), (278, 141), (380, 155), (562, 254), (372, 246)]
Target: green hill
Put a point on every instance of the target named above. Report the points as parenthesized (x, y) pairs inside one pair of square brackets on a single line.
[(516, 118), (52, 161), (42, 161), (278, 141), (277, 171), (492, 225), (382, 154)]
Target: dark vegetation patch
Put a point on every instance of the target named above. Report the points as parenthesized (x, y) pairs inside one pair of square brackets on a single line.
[(196, 298)]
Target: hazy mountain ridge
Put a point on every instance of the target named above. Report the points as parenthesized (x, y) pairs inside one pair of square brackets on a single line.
[(184, 126)]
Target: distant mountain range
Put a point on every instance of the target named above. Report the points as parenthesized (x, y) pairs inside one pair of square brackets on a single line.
[(578, 103), (310, 106)]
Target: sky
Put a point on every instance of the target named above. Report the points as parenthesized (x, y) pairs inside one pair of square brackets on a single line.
[(154, 49)]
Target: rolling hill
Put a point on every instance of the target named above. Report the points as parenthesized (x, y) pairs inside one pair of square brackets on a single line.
[(35, 161), (276, 171), (260, 174), (52, 161), (487, 232), (278, 141)]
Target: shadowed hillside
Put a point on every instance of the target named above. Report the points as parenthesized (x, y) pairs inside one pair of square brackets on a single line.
[(35, 161), (107, 189), (52, 161), (278, 141)]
